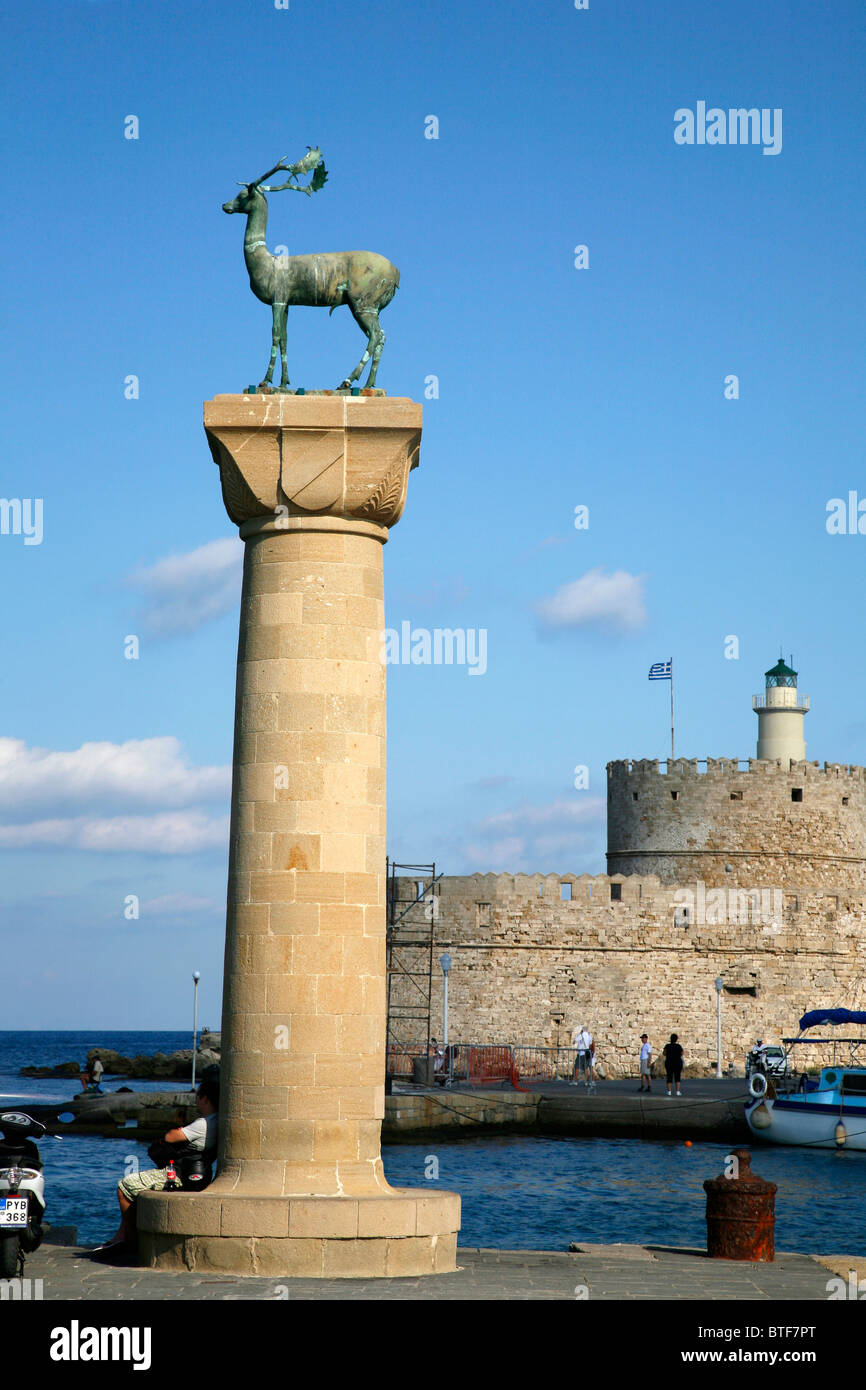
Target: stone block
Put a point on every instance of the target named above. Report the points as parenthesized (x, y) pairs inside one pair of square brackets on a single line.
[(297, 919), (334, 1218), (291, 994), (354, 1259), (362, 1177), (321, 887), (341, 920), (254, 1216), (157, 1251), (437, 1213), (290, 1140), (334, 1140), (273, 886), (364, 889), (312, 1179), (339, 994), (222, 1254), (445, 1253), (291, 1258), (386, 1216), (263, 1102)]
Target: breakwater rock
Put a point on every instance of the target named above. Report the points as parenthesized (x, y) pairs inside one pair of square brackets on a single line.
[(160, 1066)]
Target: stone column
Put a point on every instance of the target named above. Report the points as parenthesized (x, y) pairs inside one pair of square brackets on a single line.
[(313, 482)]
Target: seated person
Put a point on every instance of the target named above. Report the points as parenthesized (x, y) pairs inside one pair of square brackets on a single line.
[(198, 1137)]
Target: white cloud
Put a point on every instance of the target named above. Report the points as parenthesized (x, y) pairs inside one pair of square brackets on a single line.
[(173, 832), (141, 773), (541, 839), (596, 600), (142, 796), (182, 592)]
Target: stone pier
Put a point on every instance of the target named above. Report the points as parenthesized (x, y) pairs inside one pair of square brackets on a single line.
[(314, 483)]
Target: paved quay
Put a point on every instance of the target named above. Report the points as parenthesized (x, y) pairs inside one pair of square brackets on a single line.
[(594, 1273), (713, 1109)]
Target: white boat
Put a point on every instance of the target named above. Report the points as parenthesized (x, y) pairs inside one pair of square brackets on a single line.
[(827, 1113)]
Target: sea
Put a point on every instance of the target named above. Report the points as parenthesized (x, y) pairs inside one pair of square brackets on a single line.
[(532, 1192)]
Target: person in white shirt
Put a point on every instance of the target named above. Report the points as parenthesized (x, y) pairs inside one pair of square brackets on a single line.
[(646, 1058), (581, 1039)]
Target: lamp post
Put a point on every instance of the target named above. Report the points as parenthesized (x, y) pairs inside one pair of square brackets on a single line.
[(195, 978), (445, 962), (718, 982)]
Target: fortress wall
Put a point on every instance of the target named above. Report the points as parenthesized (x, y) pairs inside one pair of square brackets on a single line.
[(528, 967), (735, 825)]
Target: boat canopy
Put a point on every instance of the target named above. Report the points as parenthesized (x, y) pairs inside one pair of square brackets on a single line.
[(834, 1016)]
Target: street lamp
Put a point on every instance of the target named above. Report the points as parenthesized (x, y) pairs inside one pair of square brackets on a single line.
[(445, 962), (719, 983), (195, 978)]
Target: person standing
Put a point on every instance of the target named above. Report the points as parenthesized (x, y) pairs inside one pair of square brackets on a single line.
[(673, 1055), (646, 1061), (96, 1070), (581, 1039)]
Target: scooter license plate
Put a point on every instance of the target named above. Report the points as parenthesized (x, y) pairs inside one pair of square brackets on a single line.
[(13, 1211)]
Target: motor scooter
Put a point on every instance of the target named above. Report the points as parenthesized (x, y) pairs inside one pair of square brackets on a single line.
[(22, 1190)]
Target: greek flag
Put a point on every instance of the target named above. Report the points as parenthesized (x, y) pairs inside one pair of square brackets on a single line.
[(661, 671)]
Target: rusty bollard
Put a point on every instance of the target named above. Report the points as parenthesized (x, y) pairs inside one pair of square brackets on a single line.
[(741, 1214)]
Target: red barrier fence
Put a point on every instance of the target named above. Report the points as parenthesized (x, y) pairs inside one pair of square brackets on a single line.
[(468, 1064)]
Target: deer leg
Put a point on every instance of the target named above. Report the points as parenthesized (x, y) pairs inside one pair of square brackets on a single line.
[(278, 343), (378, 345), (366, 321), (284, 370)]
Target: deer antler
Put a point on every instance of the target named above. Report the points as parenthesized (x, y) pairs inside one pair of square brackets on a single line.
[(312, 161)]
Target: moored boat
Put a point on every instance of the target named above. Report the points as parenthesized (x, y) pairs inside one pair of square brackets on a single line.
[(826, 1113)]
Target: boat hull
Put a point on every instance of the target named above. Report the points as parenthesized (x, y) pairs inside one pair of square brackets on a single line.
[(799, 1120)]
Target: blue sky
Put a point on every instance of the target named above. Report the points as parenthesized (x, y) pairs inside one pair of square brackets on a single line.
[(557, 387)]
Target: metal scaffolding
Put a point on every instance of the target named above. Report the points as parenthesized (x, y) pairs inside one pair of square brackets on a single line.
[(412, 912)]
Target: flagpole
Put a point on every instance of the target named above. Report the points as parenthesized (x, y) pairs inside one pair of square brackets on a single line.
[(672, 709)]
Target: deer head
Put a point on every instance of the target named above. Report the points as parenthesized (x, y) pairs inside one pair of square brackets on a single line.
[(312, 162)]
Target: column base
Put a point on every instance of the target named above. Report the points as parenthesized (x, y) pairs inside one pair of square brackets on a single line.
[(401, 1233)]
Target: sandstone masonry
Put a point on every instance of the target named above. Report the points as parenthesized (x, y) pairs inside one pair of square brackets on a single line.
[(757, 874)]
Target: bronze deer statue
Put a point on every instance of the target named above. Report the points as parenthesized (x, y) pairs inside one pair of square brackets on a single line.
[(362, 279)]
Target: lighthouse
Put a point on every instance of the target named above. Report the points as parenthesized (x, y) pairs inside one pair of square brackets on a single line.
[(781, 711)]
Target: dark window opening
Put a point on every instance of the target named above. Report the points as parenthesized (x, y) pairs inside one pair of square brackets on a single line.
[(634, 796), (675, 796), (616, 892), (854, 1085), (796, 793), (844, 801), (736, 796), (742, 989)]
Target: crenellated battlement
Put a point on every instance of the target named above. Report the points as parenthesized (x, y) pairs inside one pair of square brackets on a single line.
[(722, 768)]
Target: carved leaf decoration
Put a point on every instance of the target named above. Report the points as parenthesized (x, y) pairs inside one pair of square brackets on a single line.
[(241, 502), (382, 504)]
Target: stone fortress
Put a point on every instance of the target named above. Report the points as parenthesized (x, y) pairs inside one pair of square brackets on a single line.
[(749, 871)]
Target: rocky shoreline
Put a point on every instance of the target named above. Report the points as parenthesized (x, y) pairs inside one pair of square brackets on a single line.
[(162, 1066)]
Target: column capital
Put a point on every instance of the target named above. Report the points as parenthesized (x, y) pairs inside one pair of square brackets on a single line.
[(286, 457)]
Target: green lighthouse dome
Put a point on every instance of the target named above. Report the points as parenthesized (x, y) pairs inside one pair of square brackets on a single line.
[(780, 674)]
